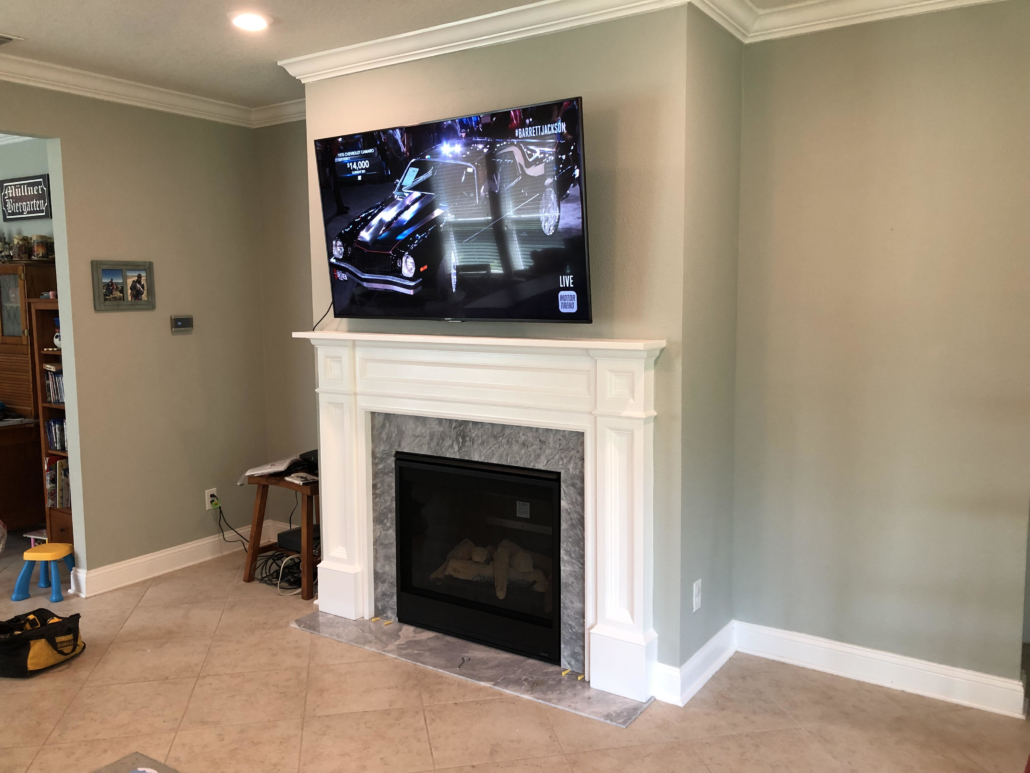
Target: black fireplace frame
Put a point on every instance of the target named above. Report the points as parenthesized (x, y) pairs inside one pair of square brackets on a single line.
[(469, 620)]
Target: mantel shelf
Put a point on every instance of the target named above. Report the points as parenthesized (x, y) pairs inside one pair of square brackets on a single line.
[(448, 341)]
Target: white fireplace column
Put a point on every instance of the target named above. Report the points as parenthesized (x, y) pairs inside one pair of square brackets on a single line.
[(603, 388)]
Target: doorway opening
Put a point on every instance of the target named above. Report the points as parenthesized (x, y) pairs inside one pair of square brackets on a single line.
[(38, 437)]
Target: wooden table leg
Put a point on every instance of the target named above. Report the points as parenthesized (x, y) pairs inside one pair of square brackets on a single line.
[(254, 544), (307, 569)]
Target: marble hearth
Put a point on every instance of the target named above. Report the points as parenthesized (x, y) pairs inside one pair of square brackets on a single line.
[(533, 447), (589, 402)]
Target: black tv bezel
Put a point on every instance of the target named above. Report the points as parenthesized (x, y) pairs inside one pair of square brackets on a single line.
[(583, 219)]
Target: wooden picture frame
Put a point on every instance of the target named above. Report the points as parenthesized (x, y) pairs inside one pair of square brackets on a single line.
[(123, 285)]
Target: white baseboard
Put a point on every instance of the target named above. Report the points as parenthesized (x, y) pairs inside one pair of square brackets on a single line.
[(90, 582), (946, 683), (678, 685)]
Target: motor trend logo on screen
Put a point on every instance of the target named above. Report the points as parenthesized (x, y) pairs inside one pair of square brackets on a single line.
[(567, 301), (25, 198)]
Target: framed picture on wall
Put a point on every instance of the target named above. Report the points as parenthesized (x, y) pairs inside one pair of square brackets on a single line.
[(123, 285)]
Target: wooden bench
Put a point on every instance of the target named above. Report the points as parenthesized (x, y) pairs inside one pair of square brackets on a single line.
[(308, 496)]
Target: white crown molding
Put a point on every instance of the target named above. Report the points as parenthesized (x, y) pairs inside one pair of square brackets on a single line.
[(30, 72), (736, 16), (523, 21), (90, 582), (829, 14), (740, 17), (284, 112)]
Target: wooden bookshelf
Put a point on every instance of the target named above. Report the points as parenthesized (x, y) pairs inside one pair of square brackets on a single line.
[(44, 311)]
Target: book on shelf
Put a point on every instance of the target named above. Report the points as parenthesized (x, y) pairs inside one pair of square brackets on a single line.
[(53, 383), (58, 483), (63, 491), (50, 476), (55, 434)]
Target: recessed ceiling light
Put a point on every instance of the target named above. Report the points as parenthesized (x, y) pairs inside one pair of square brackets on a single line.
[(251, 22)]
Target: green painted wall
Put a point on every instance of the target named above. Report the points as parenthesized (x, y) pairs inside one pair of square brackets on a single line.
[(883, 360)]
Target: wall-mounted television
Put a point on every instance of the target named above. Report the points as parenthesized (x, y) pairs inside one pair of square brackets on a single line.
[(477, 217)]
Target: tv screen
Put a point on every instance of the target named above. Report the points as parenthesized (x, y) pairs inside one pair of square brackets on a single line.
[(478, 217)]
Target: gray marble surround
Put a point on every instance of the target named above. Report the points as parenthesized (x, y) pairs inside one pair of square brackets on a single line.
[(505, 671), (535, 447)]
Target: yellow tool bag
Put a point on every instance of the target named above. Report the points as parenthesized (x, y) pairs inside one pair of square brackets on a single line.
[(38, 640)]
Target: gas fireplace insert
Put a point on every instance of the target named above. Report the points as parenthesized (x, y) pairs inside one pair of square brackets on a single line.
[(478, 552)]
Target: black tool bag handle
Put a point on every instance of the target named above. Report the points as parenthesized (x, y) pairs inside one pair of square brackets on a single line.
[(68, 627), (36, 625), (25, 622)]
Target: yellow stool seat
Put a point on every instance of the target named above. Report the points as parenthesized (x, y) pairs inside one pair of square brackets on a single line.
[(51, 551)]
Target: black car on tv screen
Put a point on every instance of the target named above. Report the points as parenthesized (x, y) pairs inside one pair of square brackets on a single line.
[(481, 217)]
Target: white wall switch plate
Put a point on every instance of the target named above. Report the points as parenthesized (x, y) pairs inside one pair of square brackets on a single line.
[(214, 492), (697, 595)]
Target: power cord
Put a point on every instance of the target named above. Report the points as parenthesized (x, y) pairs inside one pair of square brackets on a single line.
[(323, 316), (270, 568), (275, 569), (222, 519), (296, 501)]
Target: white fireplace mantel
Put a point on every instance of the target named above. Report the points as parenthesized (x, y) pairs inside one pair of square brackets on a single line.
[(603, 388)]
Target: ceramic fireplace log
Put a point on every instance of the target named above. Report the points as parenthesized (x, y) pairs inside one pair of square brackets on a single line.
[(519, 560), (540, 561), (473, 571), (469, 570), (463, 550), (501, 558)]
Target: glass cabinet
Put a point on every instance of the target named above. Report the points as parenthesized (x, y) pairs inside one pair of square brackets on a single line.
[(19, 283), (12, 303)]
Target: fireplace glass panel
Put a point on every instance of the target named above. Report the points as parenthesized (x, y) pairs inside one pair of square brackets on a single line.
[(477, 552)]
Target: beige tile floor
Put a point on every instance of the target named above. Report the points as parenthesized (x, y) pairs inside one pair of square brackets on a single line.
[(201, 671)]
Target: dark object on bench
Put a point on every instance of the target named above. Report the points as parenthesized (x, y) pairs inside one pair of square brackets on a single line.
[(308, 497)]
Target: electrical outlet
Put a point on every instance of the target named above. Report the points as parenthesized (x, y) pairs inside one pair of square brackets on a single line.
[(697, 595), (211, 492)]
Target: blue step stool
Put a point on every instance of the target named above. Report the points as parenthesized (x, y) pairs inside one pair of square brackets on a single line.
[(49, 556)]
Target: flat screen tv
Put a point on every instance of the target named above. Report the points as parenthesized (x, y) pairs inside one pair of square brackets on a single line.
[(478, 217)]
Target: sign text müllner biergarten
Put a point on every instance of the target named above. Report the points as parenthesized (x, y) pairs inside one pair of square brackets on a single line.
[(25, 198)]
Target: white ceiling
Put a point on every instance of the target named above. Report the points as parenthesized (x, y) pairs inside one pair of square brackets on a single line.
[(190, 46)]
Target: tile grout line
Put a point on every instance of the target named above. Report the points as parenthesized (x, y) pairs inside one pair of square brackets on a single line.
[(425, 719), (304, 704), (82, 686), (207, 652)]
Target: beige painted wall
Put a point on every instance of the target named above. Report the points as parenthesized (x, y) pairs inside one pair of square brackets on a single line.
[(883, 369), (161, 418), (709, 325), (289, 365), (631, 75)]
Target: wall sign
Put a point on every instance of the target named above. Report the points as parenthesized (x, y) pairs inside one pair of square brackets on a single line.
[(25, 198)]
